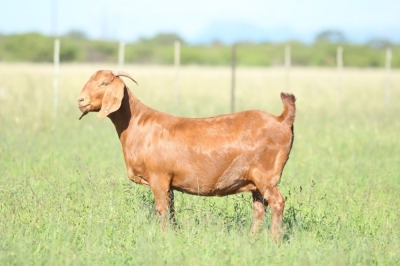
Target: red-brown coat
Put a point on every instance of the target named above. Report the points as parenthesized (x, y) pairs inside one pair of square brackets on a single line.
[(215, 156)]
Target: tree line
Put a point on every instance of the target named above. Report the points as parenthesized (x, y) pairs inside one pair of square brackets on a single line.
[(76, 47)]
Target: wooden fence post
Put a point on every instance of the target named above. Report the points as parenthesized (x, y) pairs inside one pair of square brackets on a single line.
[(288, 63), (121, 55), (177, 63), (56, 60), (233, 79), (339, 64), (388, 76)]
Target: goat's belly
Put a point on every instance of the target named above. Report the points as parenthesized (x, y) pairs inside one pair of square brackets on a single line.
[(232, 183), (222, 179), (234, 188), (213, 187)]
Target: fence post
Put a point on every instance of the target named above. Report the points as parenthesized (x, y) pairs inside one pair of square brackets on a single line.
[(121, 55), (388, 76), (233, 80), (177, 63), (288, 63), (339, 64), (56, 59)]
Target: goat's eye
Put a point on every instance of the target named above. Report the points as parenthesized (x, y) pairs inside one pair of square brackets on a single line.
[(104, 83)]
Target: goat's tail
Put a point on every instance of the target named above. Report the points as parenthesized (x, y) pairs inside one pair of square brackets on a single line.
[(289, 108)]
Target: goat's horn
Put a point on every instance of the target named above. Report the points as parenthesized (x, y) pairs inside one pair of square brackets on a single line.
[(124, 74)]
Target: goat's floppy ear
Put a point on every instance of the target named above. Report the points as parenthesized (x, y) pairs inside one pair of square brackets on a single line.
[(112, 97)]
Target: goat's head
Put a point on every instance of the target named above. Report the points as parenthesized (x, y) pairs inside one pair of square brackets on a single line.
[(103, 93)]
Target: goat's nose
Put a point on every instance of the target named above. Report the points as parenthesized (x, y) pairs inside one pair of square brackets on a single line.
[(81, 100)]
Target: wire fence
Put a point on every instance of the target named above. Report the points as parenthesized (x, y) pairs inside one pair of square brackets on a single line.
[(177, 64)]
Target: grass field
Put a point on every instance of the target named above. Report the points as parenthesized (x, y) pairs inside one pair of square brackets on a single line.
[(65, 198)]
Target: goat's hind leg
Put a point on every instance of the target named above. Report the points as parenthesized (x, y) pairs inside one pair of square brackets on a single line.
[(277, 204), (259, 206), (267, 183)]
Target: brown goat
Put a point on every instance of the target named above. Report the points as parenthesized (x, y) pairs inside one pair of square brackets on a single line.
[(215, 156)]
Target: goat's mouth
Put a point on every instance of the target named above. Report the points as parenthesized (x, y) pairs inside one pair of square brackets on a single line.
[(84, 109)]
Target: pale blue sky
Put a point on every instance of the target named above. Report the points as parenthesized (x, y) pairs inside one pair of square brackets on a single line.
[(193, 20)]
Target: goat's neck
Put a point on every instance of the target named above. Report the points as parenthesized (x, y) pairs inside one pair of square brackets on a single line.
[(131, 109)]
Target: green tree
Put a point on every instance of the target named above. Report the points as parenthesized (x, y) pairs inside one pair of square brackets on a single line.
[(76, 34), (164, 39), (331, 36)]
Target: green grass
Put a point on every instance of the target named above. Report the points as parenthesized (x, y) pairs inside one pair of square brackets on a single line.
[(65, 197)]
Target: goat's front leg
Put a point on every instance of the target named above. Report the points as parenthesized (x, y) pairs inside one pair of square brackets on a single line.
[(171, 207), (164, 202)]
